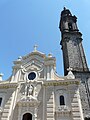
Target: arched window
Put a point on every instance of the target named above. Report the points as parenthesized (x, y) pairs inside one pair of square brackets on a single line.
[(27, 116), (70, 26), (0, 101), (62, 101)]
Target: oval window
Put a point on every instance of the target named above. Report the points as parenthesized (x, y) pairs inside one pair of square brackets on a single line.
[(32, 76)]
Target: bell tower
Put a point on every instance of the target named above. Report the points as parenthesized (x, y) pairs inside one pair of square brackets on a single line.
[(71, 42), (74, 57)]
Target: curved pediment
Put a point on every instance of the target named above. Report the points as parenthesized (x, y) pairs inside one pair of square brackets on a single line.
[(44, 66), (34, 60), (33, 64)]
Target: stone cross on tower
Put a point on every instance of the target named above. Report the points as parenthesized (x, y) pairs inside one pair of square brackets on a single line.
[(35, 48)]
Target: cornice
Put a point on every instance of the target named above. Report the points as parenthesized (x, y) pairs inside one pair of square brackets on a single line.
[(34, 53), (61, 82), (8, 85)]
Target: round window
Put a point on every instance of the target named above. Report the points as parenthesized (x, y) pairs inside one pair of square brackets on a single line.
[(32, 76)]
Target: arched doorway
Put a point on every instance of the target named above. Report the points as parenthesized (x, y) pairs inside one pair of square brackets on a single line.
[(27, 116)]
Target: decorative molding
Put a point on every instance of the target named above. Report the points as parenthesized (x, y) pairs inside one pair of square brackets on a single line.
[(34, 53), (58, 83), (63, 111), (8, 85), (1, 109), (28, 101)]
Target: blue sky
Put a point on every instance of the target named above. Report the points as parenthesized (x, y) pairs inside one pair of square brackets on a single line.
[(24, 23)]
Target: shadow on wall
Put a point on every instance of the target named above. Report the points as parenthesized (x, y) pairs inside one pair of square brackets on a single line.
[(86, 118)]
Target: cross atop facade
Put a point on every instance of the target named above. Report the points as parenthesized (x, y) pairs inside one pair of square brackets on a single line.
[(35, 48)]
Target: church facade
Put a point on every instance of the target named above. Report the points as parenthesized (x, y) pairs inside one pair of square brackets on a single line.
[(35, 91)]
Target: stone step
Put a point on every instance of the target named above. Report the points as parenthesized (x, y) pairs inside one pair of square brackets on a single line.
[(4, 115), (6, 109), (49, 105), (74, 104), (4, 118), (9, 102), (49, 109), (75, 109), (49, 102), (50, 118), (76, 118), (75, 114)]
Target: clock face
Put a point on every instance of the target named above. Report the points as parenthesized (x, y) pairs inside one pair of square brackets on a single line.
[(32, 76)]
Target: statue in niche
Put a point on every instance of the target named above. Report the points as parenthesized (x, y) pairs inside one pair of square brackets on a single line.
[(29, 89)]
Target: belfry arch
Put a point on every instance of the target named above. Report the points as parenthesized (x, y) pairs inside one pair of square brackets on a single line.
[(27, 116)]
